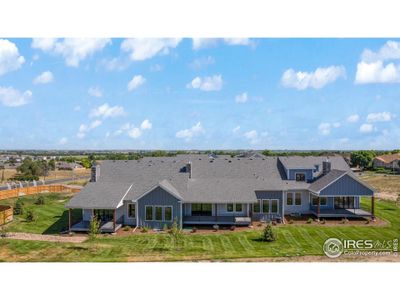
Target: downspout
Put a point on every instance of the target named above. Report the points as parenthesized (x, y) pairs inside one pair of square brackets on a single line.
[(283, 207)]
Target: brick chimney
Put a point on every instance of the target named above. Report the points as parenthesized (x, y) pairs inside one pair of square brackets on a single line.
[(326, 167), (189, 168), (95, 173)]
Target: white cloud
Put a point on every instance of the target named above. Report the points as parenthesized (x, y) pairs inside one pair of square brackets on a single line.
[(73, 50), (136, 81), (380, 117), (84, 128), (45, 77), (371, 68), (156, 68), (202, 62), (336, 125), (201, 43), (105, 111), (146, 124), (115, 64), (236, 129), (133, 131), (188, 134), (366, 128), (209, 83), (252, 136), (353, 118), (63, 141), (95, 91), (325, 128), (389, 51), (13, 97), (10, 60), (376, 72), (242, 98), (142, 49), (316, 79)]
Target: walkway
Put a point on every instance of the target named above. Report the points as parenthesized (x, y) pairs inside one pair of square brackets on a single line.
[(45, 237)]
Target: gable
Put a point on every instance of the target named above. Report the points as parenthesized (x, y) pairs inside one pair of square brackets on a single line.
[(158, 196), (346, 186)]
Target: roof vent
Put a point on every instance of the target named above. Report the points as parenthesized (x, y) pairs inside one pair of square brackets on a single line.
[(229, 161)]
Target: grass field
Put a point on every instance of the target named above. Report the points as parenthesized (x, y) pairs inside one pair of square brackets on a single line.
[(387, 185), (58, 174), (293, 240)]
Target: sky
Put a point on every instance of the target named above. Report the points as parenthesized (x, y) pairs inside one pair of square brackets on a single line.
[(236, 93)]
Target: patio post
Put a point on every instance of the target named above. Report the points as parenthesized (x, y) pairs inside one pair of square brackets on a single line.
[(373, 207), (69, 220), (216, 212), (318, 208), (114, 218)]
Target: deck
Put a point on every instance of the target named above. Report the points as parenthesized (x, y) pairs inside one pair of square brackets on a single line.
[(342, 213), (211, 220), (106, 227)]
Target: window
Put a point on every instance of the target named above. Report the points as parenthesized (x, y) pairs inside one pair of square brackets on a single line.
[(322, 200), (168, 213), (158, 213), (201, 209), (298, 199), (229, 207), (289, 199), (274, 206), (256, 207), (131, 210), (265, 206), (149, 213), (239, 207), (300, 177)]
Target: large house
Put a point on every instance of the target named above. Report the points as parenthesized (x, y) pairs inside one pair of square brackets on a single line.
[(388, 161), (198, 189)]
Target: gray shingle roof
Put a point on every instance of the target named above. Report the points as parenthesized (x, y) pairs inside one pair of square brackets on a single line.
[(220, 180), (101, 195), (326, 180)]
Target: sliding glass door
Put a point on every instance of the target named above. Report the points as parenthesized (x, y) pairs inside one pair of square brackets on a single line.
[(104, 215), (201, 209), (344, 202)]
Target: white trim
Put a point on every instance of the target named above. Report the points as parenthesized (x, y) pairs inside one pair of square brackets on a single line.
[(154, 207), (311, 203), (234, 210), (294, 199), (155, 213), (123, 197), (269, 206)]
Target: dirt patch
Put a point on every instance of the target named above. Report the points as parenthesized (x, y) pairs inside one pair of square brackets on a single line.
[(44, 237), (387, 196)]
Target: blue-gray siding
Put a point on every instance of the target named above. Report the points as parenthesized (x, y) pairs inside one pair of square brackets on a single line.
[(264, 195), (346, 186), (158, 197)]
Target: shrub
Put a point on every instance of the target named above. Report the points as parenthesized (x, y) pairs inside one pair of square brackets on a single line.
[(126, 228), (345, 220), (176, 233), (216, 227), (194, 229), (19, 208), (367, 222), (291, 221), (144, 229), (3, 231), (94, 227), (233, 227), (40, 201), (30, 216), (165, 228), (274, 223), (268, 234), (309, 221), (323, 221)]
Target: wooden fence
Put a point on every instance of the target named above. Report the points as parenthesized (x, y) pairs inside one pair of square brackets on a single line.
[(6, 214), (32, 190)]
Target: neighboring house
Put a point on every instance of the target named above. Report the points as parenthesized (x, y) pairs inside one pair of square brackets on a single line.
[(196, 189), (250, 154), (69, 166), (389, 161)]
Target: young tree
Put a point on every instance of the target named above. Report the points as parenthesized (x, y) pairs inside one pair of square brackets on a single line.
[(94, 227), (176, 233), (52, 164), (268, 234), (362, 158)]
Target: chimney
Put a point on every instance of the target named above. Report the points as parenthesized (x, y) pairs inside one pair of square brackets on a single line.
[(189, 168), (326, 167), (95, 173)]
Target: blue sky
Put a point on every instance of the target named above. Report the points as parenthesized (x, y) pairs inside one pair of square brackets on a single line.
[(199, 94)]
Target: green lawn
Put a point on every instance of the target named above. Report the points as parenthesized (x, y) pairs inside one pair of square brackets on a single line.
[(293, 240), (52, 217)]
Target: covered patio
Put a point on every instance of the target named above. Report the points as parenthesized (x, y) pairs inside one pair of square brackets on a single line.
[(107, 218), (212, 220), (341, 213)]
